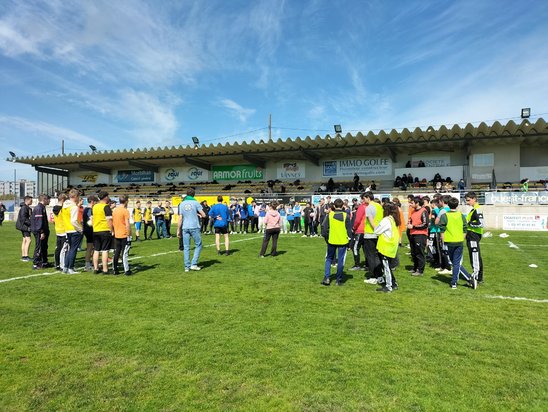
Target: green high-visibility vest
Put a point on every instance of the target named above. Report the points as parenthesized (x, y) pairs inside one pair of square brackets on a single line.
[(388, 246), (478, 230), (337, 230), (454, 231), (378, 217)]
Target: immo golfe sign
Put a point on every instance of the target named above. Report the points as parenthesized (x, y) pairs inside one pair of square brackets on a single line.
[(237, 172)]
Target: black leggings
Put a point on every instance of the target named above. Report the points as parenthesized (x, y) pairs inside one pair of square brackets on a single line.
[(147, 225)]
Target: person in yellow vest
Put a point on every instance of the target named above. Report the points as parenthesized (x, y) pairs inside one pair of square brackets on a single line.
[(373, 215), (102, 232), (337, 231), (149, 222), (453, 229), (387, 244), (61, 246), (137, 219), (474, 234), (73, 228)]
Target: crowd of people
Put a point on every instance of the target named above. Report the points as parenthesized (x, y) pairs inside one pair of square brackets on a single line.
[(435, 229)]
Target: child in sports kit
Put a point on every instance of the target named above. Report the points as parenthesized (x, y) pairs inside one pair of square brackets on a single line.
[(137, 219), (61, 245), (387, 245), (453, 228), (122, 236), (297, 223), (283, 220), (147, 218), (290, 218), (221, 217), (337, 231)]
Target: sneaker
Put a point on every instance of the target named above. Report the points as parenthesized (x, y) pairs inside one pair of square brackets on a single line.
[(384, 289), (187, 269), (395, 287), (445, 272), (219, 252), (371, 281), (25, 259), (413, 271), (338, 283), (437, 269), (261, 256), (96, 272), (227, 253), (128, 273), (453, 286), (355, 268), (195, 267), (115, 272), (326, 282), (36, 267), (72, 272), (474, 282), (417, 274), (58, 268)]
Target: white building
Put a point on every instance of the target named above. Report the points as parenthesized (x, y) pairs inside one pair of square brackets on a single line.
[(23, 188)]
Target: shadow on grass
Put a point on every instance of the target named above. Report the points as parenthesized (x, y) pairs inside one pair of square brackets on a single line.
[(442, 278), (345, 277), (136, 269), (208, 263), (278, 253)]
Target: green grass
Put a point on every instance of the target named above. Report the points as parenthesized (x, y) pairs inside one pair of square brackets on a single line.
[(262, 334)]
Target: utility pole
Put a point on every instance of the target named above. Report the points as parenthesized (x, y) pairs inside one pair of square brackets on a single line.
[(270, 127), (63, 147)]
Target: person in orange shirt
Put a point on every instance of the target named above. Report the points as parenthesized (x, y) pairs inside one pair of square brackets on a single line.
[(122, 236), (401, 227)]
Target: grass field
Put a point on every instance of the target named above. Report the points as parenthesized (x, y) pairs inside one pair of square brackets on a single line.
[(263, 334)]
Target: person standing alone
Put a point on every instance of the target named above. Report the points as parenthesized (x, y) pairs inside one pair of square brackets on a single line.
[(221, 217)]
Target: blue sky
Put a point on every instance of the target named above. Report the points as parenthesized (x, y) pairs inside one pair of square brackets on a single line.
[(132, 73)]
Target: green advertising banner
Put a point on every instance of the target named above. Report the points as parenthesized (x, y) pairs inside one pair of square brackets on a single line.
[(237, 172)]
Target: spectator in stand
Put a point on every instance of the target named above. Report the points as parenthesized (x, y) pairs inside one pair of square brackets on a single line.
[(40, 228), (23, 225), (404, 180), (356, 182), (461, 185), (330, 185), (524, 185), (408, 164), (421, 164), (272, 222)]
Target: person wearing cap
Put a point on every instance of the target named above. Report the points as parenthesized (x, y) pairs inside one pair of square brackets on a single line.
[(102, 232)]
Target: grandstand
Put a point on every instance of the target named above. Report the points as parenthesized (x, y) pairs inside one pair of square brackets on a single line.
[(484, 156)]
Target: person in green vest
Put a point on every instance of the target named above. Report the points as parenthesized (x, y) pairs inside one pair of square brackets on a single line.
[(474, 234), (387, 244), (336, 230), (453, 227)]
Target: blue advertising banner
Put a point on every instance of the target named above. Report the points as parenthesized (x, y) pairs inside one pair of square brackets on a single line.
[(135, 176)]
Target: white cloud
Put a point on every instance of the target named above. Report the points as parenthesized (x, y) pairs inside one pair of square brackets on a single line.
[(236, 110)]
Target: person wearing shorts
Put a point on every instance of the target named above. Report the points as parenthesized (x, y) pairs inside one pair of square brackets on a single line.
[(221, 217), (102, 232), (137, 219), (23, 225)]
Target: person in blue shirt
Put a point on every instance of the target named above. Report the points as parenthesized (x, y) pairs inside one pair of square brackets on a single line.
[(189, 227), (283, 216), (290, 218), (244, 217), (221, 217), (262, 215)]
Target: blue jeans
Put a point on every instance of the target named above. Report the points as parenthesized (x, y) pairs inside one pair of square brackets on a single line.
[(455, 255), (161, 230), (74, 240), (195, 234), (330, 257)]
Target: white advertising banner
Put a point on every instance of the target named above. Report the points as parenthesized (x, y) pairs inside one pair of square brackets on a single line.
[(291, 170), (441, 160), (183, 174), (525, 222), (516, 198), (364, 167)]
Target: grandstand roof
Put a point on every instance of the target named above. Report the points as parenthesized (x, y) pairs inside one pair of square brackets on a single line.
[(312, 149)]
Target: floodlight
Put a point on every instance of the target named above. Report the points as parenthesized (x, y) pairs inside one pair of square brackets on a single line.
[(525, 113), (195, 140), (93, 148), (12, 154), (338, 128)]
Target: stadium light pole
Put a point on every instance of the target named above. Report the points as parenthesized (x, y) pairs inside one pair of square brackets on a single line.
[(525, 112), (338, 128), (13, 156), (196, 142)]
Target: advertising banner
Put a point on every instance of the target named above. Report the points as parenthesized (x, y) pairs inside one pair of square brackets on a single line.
[(183, 174), (134, 176), (237, 172), (369, 166), (516, 198), (431, 160), (525, 222), (291, 170), (88, 178)]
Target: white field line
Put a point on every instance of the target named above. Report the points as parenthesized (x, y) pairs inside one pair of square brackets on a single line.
[(515, 298), (512, 245), (58, 272)]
